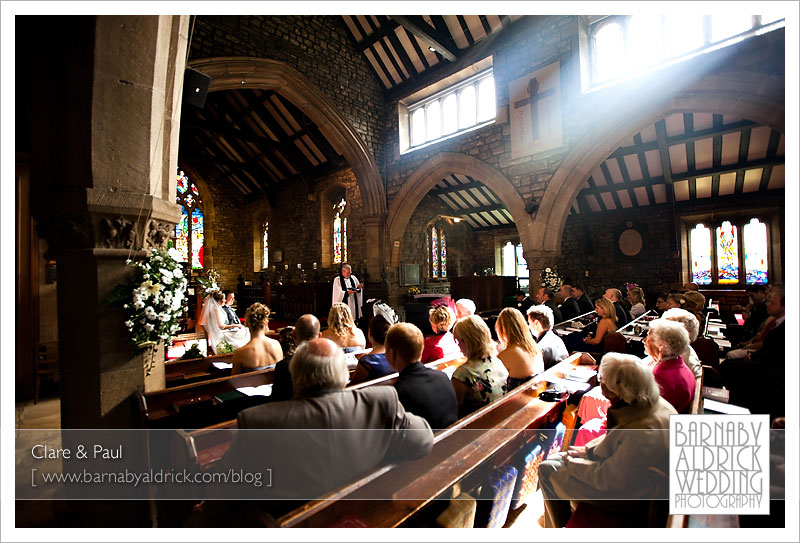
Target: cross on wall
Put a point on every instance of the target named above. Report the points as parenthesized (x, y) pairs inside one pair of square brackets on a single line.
[(533, 100)]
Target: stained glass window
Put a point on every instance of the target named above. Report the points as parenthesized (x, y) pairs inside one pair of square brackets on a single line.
[(727, 254), (435, 252), (427, 252), (265, 241), (755, 252), (700, 251), (339, 233), (189, 230), (444, 255)]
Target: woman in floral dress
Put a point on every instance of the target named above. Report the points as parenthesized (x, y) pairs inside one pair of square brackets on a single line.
[(483, 377)]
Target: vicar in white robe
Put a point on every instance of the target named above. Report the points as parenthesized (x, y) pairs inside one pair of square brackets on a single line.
[(348, 290)]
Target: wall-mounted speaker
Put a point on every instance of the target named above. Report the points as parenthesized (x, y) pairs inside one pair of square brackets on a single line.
[(531, 206), (195, 87)]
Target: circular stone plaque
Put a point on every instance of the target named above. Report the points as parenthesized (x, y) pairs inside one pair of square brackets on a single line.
[(630, 242)]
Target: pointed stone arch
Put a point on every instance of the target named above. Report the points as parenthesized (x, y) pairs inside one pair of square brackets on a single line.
[(746, 95), (229, 73), (431, 172)]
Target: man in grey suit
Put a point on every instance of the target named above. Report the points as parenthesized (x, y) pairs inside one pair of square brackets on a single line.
[(323, 438)]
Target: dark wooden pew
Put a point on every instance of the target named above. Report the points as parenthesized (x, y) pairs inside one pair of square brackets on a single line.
[(496, 433), (207, 445), (162, 408), (184, 372)]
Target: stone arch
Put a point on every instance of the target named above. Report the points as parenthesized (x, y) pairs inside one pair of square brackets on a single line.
[(742, 94), (246, 72), (431, 172), (209, 214)]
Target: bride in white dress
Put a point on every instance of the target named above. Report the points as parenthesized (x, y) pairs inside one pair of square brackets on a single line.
[(236, 335)]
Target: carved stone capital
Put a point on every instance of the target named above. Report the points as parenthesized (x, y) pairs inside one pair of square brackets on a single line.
[(158, 233), (117, 233)]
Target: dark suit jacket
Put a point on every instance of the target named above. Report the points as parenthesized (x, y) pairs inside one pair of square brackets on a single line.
[(773, 352), (323, 440), (585, 304), (282, 387), (623, 317), (569, 309), (557, 316), (553, 348), (758, 314), (429, 394)]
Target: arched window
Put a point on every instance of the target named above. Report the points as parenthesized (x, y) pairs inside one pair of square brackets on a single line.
[(339, 233), (727, 254), (189, 231), (700, 250), (436, 243), (722, 256), (755, 252), (265, 246)]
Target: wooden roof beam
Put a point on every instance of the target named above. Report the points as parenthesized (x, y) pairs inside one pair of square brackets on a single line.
[(417, 26)]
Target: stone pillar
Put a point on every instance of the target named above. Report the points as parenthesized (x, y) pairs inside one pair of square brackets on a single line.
[(375, 234), (105, 182)]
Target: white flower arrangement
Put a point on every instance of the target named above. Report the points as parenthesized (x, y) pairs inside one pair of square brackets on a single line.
[(551, 279), (153, 300), (209, 282)]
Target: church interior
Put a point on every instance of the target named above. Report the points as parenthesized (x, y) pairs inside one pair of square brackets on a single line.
[(440, 156)]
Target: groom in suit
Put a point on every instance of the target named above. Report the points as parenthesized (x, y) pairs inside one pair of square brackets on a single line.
[(230, 314)]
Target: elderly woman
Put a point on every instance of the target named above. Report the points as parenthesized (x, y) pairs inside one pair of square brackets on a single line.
[(615, 466), (665, 343), (261, 351), (442, 343), (342, 330), (521, 356), (464, 308), (689, 321), (482, 378), (636, 297)]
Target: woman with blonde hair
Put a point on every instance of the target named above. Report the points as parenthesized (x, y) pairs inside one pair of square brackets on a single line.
[(607, 323), (260, 352), (442, 343), (521, 356), (636, 297), (482, 378), (342, 330)]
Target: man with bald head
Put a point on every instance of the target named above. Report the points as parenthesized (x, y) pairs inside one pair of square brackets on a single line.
[(305, 329), (422, 391), (623, 317), (326, 436)]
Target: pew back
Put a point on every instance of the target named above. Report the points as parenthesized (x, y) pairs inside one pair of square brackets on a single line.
[(487, 437)]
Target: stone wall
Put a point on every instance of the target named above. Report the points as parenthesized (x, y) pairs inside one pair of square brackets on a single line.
[(589, 245), (230, 255), (295, 230)]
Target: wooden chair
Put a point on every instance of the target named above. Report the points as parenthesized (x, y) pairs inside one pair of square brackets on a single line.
[(45, 364), (614, 343)]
